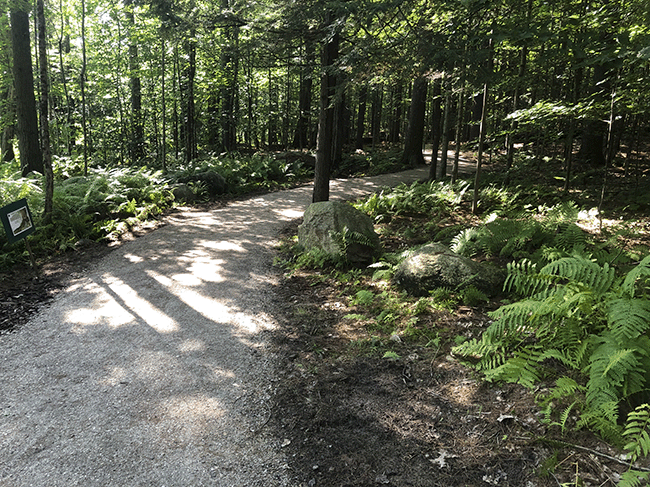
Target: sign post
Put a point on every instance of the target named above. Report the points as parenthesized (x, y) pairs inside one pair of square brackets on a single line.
[(19, 224)]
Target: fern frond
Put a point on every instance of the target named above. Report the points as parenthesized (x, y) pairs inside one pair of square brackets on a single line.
[(523, 368), (636, 433), (628, 318), (633, 478), (642, 270)]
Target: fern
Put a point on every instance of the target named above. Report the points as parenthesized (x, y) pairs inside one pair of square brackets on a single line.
[(636, 433), (580, 314)]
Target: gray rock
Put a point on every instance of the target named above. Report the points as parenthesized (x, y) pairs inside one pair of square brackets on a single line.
[(341, 231), (182, 192), (434, 266)]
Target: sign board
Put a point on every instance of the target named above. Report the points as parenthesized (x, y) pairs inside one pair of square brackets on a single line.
[(17, 220)]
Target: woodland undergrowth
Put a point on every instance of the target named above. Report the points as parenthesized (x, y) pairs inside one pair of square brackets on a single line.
[(572, 323)]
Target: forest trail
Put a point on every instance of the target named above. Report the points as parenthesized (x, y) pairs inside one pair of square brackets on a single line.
[(154, 368)]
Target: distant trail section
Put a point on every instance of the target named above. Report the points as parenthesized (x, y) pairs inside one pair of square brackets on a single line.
[(154, 368)]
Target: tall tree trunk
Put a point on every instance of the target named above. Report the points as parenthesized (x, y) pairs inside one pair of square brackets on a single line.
[(330, 52), (64, 46), (137, 120), (82, 82), (31, 157), (436, 129), (6, 145), (187, 87), (376, 109), (163, 101), (459, 128), (446, 122), (44, 112), (301, 138), (395, 124), (230, 68), (479, 159), (412, 154), (592, 143), (361, 116)]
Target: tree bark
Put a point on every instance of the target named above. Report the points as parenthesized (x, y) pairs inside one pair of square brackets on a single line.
[(31, 157), (44, 112), (137, 120), (301, 138), (415, 134), (436, 119), (441, 170), (330, 52), (361, 116)]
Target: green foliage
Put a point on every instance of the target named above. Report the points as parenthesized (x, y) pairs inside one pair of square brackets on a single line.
[(523, 236), (579, 314), (414, 199)]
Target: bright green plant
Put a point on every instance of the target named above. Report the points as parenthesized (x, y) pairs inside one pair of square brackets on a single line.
[(578, 313)]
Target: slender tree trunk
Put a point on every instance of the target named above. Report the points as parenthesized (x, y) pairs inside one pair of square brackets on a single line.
[(44, 112), (361, 116), (137, 120), (230, 68), (436, 119), (414, 140), (395, 124), (163, 101), (82, 80), (302, 139), (446, 121), (481, 143), (330, 52), (31, 157), (187, 87), (376, 109), (459, 128), (6, 146), (64, 46)]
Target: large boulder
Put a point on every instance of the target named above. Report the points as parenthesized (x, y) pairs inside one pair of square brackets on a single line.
[(340, 230), (434, 266)]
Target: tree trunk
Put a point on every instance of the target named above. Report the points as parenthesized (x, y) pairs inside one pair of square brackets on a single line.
[(436, 119), (459, 129), (230, 68), (395, 125), (82, 82), (44, 112), (376, 109), (592, 144), (187, 87), (326, 114), (301, 138), (361, 116), (137, 121), (415, 134), (479, 159), (31, 157), (446, 121)]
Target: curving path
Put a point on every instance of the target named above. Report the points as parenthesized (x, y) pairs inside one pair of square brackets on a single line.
[(152, 370)]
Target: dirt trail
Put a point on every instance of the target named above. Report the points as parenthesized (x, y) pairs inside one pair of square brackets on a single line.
[(153, 369)]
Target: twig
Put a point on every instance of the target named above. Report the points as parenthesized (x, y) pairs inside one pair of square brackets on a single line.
[(591, 450)]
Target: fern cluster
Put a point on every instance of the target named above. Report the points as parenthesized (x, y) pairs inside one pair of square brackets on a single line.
[(523, 236), (578, 317)]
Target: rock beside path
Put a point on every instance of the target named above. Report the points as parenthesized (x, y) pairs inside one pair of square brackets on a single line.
[(339, 230), (434, 266)]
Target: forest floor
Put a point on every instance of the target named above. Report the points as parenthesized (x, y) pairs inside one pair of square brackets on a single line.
[(345, 419)]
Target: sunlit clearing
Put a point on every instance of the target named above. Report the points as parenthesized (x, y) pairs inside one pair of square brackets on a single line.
[(156, 319)]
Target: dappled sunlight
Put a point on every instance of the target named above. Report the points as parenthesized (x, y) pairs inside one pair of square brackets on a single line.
[(210, 308), (222, 245), (141, 307), (191, 346), (289, 214), (103, 311)]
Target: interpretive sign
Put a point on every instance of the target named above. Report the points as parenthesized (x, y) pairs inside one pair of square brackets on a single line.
[(17, 220)]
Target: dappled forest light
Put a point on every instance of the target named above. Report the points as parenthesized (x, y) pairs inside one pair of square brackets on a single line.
[(185, 87)]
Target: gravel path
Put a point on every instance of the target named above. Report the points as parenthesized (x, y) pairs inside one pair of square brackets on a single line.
[(153, 369)]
